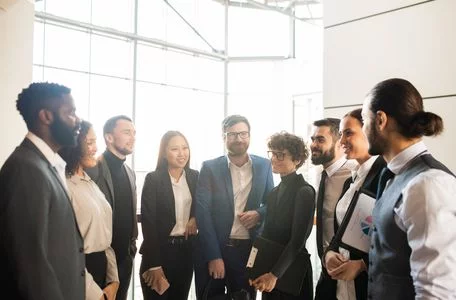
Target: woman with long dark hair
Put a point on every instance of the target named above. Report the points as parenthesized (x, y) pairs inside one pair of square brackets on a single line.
[(168, 222), (93, 215)]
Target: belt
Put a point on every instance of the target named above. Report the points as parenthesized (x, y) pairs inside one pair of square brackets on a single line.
[(178, 240), (238, 242)]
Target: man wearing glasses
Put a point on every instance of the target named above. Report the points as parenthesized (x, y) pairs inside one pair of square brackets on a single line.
[(230, 206)]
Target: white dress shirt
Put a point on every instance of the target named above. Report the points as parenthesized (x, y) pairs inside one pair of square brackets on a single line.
[(346, 288), (182, 204), (427, 213), (241, 178), (54, 158), (94, 218), (338, 172)]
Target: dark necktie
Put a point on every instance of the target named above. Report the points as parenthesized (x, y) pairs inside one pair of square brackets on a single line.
[(385, 175), (320, 198)]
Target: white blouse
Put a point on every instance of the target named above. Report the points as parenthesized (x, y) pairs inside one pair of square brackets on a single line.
[(94, 218)]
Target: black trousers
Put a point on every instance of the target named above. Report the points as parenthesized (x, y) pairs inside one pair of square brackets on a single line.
[(326, 288), (235, 255), (96, 264), (178, 269), (124, 267)]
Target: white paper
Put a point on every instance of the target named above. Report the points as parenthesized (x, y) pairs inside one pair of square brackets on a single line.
[(252, 257), (358, 231)]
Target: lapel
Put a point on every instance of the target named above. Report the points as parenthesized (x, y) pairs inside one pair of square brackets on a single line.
[(226, 175), (256, 181), (168, 195), (371, 181), (106, 174)]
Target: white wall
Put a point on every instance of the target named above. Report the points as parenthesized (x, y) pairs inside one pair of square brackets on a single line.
[(16, 32), (368, 41)]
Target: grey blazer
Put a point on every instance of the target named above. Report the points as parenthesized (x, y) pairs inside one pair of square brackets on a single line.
[(41, 249)]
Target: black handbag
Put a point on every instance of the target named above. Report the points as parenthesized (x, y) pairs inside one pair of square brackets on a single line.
[(228, 295)]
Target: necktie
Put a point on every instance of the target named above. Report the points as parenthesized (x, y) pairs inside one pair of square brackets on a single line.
[(320, 197), (385, 175)]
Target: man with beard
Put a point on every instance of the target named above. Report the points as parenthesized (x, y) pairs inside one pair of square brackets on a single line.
[(118, 182), (41, 249), (413, 241), (230, 206), (327, 151)]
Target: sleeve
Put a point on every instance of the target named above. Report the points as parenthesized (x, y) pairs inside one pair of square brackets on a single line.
[(93, 291), (206, 231), (195, 175), (150, 249), (111, 268), (27, 196), (303, 213), (268, 188), (428, 215)]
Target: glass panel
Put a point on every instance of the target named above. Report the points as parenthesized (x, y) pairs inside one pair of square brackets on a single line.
[(151, 64), (256, 32), (117, 14), (72, 9), (77, 82), (38, 43), (111, 56), (66, 48), (108, 97), (37, 73), (196, 114), (152, 19)]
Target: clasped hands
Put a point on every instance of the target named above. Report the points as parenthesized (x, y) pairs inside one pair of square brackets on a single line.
[(156, 280), (341, 268), (264, 283), (110, 291)]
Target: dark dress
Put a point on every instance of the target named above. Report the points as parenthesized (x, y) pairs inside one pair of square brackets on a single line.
[(158, 218), (289, 221)]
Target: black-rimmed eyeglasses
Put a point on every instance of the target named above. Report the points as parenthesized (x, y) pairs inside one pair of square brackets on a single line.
[(278, 154), (233, 135)]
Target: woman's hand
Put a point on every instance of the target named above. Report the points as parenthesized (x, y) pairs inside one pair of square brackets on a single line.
[(264, 283), (333, 260), (111, 290), (348, 271), (153, 278), (190, 228)]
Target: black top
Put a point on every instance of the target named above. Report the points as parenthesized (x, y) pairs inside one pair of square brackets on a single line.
[(122, 216), (289, 218)]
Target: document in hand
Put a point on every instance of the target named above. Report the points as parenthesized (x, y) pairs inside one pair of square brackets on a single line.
[(265, 253), (357, 223)]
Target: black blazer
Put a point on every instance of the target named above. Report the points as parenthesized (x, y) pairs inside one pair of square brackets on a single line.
[(101, 175), (289, 220), (41, 249), (158, 213), (370, 184)]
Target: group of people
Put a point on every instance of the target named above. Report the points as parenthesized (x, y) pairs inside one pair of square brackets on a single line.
[(68, 222)]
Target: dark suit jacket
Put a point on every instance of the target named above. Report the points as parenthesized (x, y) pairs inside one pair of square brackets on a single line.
[(215, 202), (370, 184), (101, 175), (289, 221), (158, 213), (41, 249)]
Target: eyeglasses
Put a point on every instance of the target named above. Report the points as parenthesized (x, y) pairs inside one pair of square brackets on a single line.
[(279, 155), (233, 135)]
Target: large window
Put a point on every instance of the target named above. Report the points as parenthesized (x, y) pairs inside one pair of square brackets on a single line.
[(181, 65)]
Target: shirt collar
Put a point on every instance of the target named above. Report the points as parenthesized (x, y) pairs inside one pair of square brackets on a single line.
[(249, 162), (363, 169), (406, 155), (335, 166), (181, 179), (53, 157)]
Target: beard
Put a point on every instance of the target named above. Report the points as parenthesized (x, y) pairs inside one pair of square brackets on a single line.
[(324, 157), (63, 134), (123, 151), (237, 149), (376, 143)]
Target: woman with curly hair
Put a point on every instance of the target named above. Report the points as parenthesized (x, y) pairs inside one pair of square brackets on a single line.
[(289, 215)]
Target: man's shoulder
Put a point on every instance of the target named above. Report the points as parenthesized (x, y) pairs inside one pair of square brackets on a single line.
[(215, 161)]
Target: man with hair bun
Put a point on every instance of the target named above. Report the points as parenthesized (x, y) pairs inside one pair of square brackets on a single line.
[(413, 240)]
